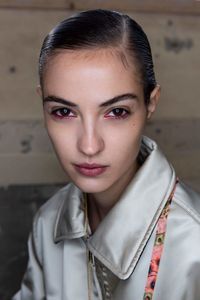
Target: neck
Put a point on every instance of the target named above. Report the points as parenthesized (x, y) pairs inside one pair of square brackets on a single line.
[(99, 204)]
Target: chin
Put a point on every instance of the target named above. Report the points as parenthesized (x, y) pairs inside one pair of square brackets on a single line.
[(91, 187)]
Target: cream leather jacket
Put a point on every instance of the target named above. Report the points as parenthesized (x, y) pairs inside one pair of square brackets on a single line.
[(67, 264)]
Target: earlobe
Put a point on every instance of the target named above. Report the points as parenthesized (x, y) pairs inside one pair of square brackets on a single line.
[(153, 102)]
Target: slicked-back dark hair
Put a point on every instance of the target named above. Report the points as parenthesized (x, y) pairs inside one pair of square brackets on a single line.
[(96, 29)]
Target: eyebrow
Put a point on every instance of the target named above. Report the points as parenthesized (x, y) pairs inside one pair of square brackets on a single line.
[(104, 104)]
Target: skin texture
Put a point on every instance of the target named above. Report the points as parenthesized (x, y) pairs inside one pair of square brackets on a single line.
[(92, 134)]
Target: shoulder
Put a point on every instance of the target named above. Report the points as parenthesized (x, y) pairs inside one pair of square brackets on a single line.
[(188, 200), (44, 221), (56, 201), (47, 213)]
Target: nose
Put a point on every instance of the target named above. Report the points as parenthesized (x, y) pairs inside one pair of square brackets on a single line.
[(90, 142)]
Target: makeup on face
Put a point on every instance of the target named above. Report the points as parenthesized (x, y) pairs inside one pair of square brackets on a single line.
[(90, 170), (60, 108), (95, 115)]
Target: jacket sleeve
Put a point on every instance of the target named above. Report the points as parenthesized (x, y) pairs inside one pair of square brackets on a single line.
[(32, 286)]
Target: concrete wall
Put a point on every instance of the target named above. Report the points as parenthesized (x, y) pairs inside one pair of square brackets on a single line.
[(29, 171)]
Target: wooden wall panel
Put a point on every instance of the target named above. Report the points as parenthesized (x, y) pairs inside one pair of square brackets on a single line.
[(39, 4), (30, 169), (30, 137), (170, 6), (21, 35), (44, 168), (175, 43), (24, 137), (24, 145), (26, 155)]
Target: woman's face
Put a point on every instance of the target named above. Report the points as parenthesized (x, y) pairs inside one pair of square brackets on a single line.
[(88, 129)]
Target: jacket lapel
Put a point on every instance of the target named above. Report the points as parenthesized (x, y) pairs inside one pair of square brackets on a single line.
[(121, 237), (70, 220)]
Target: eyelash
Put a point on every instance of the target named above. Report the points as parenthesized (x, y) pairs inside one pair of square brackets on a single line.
[(57, 113)]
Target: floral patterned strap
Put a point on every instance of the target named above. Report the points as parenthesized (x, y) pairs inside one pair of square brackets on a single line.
[(158, 249)]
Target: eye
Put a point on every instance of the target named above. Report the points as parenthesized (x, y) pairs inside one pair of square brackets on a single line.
[(62, 113), (118, 113)]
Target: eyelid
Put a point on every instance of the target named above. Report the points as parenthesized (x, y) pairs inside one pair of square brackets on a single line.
[(60, 106), (120, 107), (125, 113), (53, 109), (55, 112)]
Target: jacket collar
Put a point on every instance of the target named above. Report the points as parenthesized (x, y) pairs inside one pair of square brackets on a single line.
[(122, 235)]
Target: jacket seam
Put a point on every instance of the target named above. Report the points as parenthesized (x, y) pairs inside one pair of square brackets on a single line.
[(140, 248), (35, 244), (58, 217), (146, 236), (188, 209), (71, 236)]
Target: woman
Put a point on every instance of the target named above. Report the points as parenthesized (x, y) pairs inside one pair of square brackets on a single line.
[(124, 227)]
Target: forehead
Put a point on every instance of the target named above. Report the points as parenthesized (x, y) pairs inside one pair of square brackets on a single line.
[(103, 71), (100, 57), (87, 56)]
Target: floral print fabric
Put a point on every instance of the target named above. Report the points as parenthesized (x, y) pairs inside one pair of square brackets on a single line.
[(157, 250)]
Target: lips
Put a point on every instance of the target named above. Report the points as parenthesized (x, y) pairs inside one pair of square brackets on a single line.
[(90, 166), (90, 169)]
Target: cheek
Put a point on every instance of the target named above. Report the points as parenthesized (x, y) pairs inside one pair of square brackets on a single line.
[(126, 136), (61, 138), (126, 140), (121, 135)]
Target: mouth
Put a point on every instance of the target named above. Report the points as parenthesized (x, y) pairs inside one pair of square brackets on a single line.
[(90, 166), (90, 169)]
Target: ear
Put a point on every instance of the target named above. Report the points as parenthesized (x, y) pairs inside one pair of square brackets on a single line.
[(153, 102), (39, 90)]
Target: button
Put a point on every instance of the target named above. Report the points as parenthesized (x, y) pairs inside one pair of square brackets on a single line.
[(107, 295), (106, 283)]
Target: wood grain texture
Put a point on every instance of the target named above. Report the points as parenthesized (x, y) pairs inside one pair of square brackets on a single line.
[(175, 44), (26, 155), (170, 6), (24, 137), (30, 137), (26, 169), (21, 35)]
